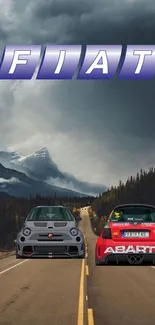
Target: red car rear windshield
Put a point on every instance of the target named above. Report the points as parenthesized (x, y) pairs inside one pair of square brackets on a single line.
[(133, 214)]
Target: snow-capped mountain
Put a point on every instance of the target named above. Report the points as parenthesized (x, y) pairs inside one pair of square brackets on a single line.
[(40, 166), (18, 184)]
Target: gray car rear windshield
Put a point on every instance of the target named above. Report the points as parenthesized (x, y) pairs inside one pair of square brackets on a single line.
[(133, 214), (50, 214)]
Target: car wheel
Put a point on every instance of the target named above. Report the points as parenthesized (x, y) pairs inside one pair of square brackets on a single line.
[(84, 253), (18, 256), (97, 262)]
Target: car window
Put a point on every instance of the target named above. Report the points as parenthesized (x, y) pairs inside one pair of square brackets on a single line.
[(50, 214), (133, 214)]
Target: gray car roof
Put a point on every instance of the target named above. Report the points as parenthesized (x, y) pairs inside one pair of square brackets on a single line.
[(50, 206)]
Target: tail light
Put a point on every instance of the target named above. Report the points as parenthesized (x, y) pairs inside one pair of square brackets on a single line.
[(106, 233)]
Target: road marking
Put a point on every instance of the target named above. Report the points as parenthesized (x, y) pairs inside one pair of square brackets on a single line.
[(153, 267), (86, 254), (12, 267), (90, 317), (87, 297), (81, 297), (87, 270)]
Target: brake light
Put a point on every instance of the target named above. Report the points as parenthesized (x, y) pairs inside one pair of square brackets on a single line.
[(106, 233)]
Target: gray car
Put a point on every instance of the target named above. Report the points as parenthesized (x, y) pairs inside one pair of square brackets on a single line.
[(50, 231)]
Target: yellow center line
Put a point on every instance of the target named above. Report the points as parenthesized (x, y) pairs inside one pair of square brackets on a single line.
[(81, 297), (90, 317), (87, 270)]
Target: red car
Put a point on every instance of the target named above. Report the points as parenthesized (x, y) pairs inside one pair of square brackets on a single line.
[(128, 236)]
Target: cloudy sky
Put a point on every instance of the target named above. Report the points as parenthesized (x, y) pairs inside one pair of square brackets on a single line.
[(101, 131)]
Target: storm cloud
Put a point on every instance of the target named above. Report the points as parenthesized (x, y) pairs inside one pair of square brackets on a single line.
[(100, 131)]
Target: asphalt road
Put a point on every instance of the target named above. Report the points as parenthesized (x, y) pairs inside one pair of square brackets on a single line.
[(75, 292)]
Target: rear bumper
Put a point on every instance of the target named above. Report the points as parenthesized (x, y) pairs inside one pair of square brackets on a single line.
[(112, 251), (134, 259)]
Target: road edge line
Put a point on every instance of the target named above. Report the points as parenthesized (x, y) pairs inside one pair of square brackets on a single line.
[(12, 267)]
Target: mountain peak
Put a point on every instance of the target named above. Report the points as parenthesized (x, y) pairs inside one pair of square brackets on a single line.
[(43, 148), (43, 151), (39, 165)]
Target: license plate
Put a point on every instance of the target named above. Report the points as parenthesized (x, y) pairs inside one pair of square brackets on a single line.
[(127, 234)]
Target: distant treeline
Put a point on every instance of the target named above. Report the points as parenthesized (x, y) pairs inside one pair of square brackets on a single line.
[(139, 189), (12, 208)]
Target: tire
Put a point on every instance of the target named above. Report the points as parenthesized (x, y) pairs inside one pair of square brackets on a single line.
[(84, 253), (98, 263), (17, 256)]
